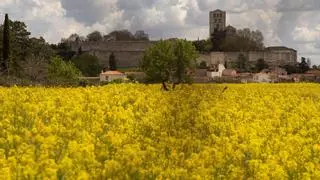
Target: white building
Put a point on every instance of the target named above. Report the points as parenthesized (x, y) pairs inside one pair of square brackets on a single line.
[(109, 76), (217, 72), (262, 77)]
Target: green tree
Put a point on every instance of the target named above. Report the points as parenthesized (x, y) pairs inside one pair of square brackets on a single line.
[(261, 64), (87, 64), (122, 35), (61, 72), (6, 44), (291, 69), (314, 67), (203, 45), (203, 65), (243, 40), (217, 38), (112, 62), (170, 61), (35, 65), (94, 36), (19, 46), (242, 64), (303, 65)]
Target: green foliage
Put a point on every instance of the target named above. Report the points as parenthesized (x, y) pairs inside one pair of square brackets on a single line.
[(20, 47), (87, 64), (291, 69), (112, 62), (217, 39), (170, 61), (203, 45), (303, 65), (94, 36), (261, 64), (63, 72), (122, 35), (242, 64), (243, 40), (203, 65), (25, 50), (6, 43)]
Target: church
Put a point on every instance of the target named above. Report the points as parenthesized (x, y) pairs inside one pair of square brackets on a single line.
[(274, 56)]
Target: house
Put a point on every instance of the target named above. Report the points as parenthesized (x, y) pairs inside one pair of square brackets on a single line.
[(215, 71), (314, 72), (109, 76), (229, 72), (262, 77), (279, 71)]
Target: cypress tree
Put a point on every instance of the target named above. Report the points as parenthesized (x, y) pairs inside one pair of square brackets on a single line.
[(112, 62), (6, 43)]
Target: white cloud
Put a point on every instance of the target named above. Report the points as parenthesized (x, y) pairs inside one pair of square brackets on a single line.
[(291, 23)]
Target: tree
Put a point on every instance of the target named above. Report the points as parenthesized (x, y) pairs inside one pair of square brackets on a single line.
[(170, 61), (303, 66), (291, 69), (314, 67), (60, 71), (94, 36), (242, 64), (35, 65), (63, 49), (112, 62), (217, 39), (309, 62), (261, 64), (203, 65), (123, 35), (87, 64), (203, 45), (243, 40), (6, 44), (20, 46)]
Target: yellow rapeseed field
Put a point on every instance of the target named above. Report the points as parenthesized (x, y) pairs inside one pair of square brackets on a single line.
[(132, 131)]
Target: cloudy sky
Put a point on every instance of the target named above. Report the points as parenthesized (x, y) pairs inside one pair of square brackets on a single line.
[(293, 23)]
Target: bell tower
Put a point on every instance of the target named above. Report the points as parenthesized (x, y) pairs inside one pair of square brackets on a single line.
[(217, 21)]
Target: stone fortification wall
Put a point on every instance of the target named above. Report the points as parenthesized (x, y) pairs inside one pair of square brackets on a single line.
[(130, 53), (114, 46), (272, 58), (127, 53), (123, 58)]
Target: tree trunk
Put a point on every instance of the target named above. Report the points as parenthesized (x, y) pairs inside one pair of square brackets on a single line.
[(174, 85), (164, 86)]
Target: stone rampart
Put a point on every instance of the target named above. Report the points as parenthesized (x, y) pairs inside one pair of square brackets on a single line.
[(130, 53), (127, 53)]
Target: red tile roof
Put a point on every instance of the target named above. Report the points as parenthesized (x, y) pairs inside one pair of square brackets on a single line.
[(112, 73)]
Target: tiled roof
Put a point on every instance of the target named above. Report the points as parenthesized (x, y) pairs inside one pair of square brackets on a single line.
[(112, 73), (316, 72), (229, 72), (279, 48)]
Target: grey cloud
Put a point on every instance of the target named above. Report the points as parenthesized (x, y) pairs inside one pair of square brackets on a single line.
[(277, 19), (85, 11), (298, 6)]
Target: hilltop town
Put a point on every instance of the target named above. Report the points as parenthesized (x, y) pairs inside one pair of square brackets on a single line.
[(274, 60), (227, 55)]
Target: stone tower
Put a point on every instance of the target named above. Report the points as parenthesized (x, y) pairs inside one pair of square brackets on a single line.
[(217, 20)]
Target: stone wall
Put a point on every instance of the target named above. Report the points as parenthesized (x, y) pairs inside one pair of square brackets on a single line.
[(130, 53), (127, 53), (272, 58)]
